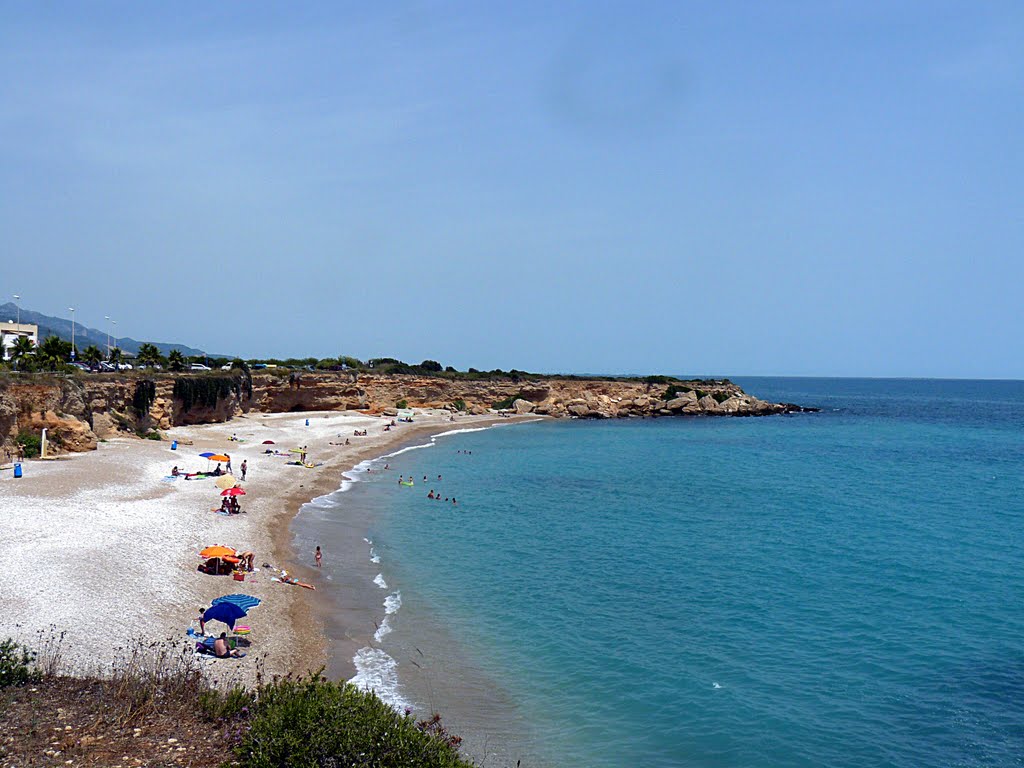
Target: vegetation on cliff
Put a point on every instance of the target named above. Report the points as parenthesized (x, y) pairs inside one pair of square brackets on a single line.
[(156, 706)]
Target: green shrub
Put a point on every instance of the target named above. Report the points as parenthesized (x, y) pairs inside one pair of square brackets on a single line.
[(720, 397), (403, 403), (32, 442), (459, 405), (313, 722), (224, 706), (17, 664), (673, 392), (508, 402)]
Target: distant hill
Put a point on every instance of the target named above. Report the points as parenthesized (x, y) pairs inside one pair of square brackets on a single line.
[(84, 336)]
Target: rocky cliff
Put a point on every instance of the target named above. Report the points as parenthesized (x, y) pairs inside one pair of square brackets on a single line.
[(78, 410)]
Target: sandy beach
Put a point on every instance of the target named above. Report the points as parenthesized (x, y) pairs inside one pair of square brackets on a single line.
[(103, 546)]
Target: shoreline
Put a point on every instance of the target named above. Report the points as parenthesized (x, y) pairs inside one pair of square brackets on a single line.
[(318, 644), (103, 545)]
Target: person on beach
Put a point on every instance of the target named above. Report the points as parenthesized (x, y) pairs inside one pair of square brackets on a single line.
[(245, 468), (218, 471), (202, 621), (228, 470), (221, 649), (175, 472), (319, 558)]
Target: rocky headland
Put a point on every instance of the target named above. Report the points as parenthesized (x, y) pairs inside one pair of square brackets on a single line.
[(78, 410)]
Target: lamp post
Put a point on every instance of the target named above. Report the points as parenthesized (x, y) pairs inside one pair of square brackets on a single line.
[(107, 318), (72, 311), (115, 332), (17, 299)]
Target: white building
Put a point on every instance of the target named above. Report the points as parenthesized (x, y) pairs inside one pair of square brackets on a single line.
[(9, 332)]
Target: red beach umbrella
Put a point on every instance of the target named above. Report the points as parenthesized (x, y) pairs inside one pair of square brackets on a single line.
[(269, 442), (233, 492)]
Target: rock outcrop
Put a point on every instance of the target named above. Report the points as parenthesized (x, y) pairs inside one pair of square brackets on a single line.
[(78, 410)]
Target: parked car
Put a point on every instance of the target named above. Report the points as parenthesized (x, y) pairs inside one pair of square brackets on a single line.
[(124, 367), (226, 367), (199, 367), (81, 366), (105, 366)]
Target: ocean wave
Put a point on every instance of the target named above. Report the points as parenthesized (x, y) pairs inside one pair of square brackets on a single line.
[(378, 672), (374, 557), (379, 581), (393, 602), (383, 630)]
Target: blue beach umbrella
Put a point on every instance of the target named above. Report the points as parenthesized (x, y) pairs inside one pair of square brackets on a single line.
[(208, 454), (225, 612), (245, 602)]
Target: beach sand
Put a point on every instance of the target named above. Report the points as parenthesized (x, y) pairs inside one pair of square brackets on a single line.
[(102, 547)]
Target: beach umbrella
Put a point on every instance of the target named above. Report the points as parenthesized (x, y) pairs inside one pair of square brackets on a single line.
[(218, 457), (226, 612), (269, 442), (226, 481), (208, 454), (218, 551), (233, 492), (245, 602)]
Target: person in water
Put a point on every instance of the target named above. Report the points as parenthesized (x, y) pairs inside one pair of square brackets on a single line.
[(431, 494), (319, 558)]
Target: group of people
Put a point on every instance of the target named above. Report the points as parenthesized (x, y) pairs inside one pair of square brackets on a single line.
[(437, 496), (229, 505)]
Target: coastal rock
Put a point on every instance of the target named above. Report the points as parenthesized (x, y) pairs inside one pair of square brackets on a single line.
[(681, 402), (523, 407), (578, 409), (708, 403)]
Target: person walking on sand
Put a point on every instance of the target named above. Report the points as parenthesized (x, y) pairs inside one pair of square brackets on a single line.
[(228, 469), (319, 558), (244, 468)]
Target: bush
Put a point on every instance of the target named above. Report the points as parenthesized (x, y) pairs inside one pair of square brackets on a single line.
[(313, 722), (507, 403), (402, 404), (32, 442), (17, 664), (720, 397), (459, 405), (224, 706)]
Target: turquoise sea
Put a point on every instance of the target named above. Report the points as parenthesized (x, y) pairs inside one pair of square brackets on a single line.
[(843, 588)]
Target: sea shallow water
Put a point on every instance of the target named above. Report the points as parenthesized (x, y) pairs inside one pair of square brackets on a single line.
[(841, 588)]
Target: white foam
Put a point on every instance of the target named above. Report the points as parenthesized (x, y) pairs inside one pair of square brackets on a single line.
[(383, 630), (379, 581), (374, 557), (393, 602), (378, 672)]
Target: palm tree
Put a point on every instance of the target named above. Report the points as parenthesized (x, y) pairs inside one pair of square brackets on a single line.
[(53, 352), (176, 360), (149, 354), (92, 355), (23, 348), (114, 356)]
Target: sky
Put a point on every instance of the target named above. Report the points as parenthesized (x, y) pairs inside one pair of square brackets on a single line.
[(734, 188)]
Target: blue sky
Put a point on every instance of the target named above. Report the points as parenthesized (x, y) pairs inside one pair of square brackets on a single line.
[(815, 188)]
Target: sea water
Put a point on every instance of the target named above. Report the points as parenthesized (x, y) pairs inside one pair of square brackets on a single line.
[(842, 588)]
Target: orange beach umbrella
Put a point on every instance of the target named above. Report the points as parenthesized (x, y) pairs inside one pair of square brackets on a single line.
[(218, 551), (219, 457)]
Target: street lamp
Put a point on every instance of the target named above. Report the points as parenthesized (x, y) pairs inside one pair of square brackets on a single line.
[(107, 318), (17, 298), (115, 334), (72, 311)]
